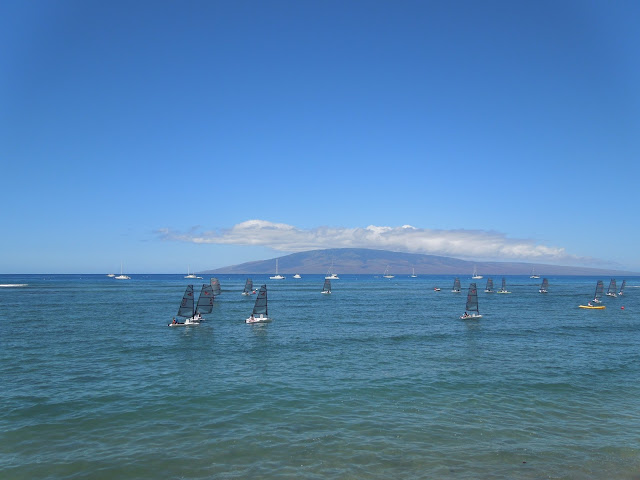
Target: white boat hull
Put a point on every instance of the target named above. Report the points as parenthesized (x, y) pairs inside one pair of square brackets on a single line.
[(332, 277), (187, 323), (543, 291), (502, 291), (612, 294), (326, 293), (258, 319), (472, 316), (277, 277)]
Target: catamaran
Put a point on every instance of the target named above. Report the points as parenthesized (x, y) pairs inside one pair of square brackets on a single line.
[(456, 285), (624, 283), (503, 289), (596, 298), (611, 291), (472, 304), (475, 275), (189, 275), (326, 288), (331, 275), (413, 273), (191, 311), (386, 273), (260, 313), (248, 287), (544, 288), (215, 286), (122, 276), (533, 273), (489, 287), (277, 276)]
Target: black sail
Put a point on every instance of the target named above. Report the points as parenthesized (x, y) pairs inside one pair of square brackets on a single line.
[(186, 306), (472, 299), (215, 285), (260, 307), (205, 302)]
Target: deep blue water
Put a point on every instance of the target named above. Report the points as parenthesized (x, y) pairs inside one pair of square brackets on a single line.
[(378, 380)]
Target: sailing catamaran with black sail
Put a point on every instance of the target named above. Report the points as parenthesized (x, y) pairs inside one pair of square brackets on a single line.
[(621, 292), (503, 289), (260, 313), (248, 287), (456, 285), (611, 291), (472, 304), (544, 288), (489, 287), (192, 311), (327, 286)]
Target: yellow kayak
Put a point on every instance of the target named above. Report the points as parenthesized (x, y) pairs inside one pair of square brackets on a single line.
[(592, 307)]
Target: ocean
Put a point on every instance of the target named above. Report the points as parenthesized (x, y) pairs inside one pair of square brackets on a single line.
[(380, 379)]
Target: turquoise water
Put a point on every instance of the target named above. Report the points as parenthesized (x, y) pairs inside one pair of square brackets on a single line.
[(378, 380)]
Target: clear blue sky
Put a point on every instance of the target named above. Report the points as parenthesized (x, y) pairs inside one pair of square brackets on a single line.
[(505, 122)]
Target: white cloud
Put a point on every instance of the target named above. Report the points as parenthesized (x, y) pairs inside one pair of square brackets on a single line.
[(477, 244)]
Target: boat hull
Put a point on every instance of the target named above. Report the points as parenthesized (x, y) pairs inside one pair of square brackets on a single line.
[(502, 291), (259, 319), (473, 316), (326, 293), (593, 307)]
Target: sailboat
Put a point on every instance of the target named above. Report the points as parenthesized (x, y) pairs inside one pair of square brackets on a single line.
[(489, 287), (189, 275), (248, 287), (596, 298), (533, 273), (503, 289), (215, 286), (544, 288), (193, 316), (611, 291), (277, 276), (475, 275), (260, 313), (472, 304), (386, 273), (456, 285), (122, 276), (331, 275), (413, 273), (621, 292), (326, 288)]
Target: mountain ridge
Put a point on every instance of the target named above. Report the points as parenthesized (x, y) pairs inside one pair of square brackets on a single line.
[(369, 261)]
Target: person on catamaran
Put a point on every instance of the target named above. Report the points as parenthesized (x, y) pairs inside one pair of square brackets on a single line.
[(251, 317), (174, 320)]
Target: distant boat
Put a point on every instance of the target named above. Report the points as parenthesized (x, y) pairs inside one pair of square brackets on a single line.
[(297, 275), (193, 316), (503, 289), (599, 292), (413, 274), (611, 291), (596, 298), (277, 276), (489, 287), (533, 273), (621, 292), (331, 275), (386, 273), (122, 276), (215, 286), (544, 288), (475, 275), (472, 304), (326, 288), (111, 275), (436, 289), (260, 312), (189, 275), (248, 287), (456, 285)]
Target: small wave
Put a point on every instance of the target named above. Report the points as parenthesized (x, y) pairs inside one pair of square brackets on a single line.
[(10, 285)]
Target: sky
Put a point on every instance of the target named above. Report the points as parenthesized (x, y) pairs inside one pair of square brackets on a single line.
[(174, 135)]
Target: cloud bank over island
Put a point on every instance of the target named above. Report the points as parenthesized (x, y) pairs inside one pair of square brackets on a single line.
[(476, 244)]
